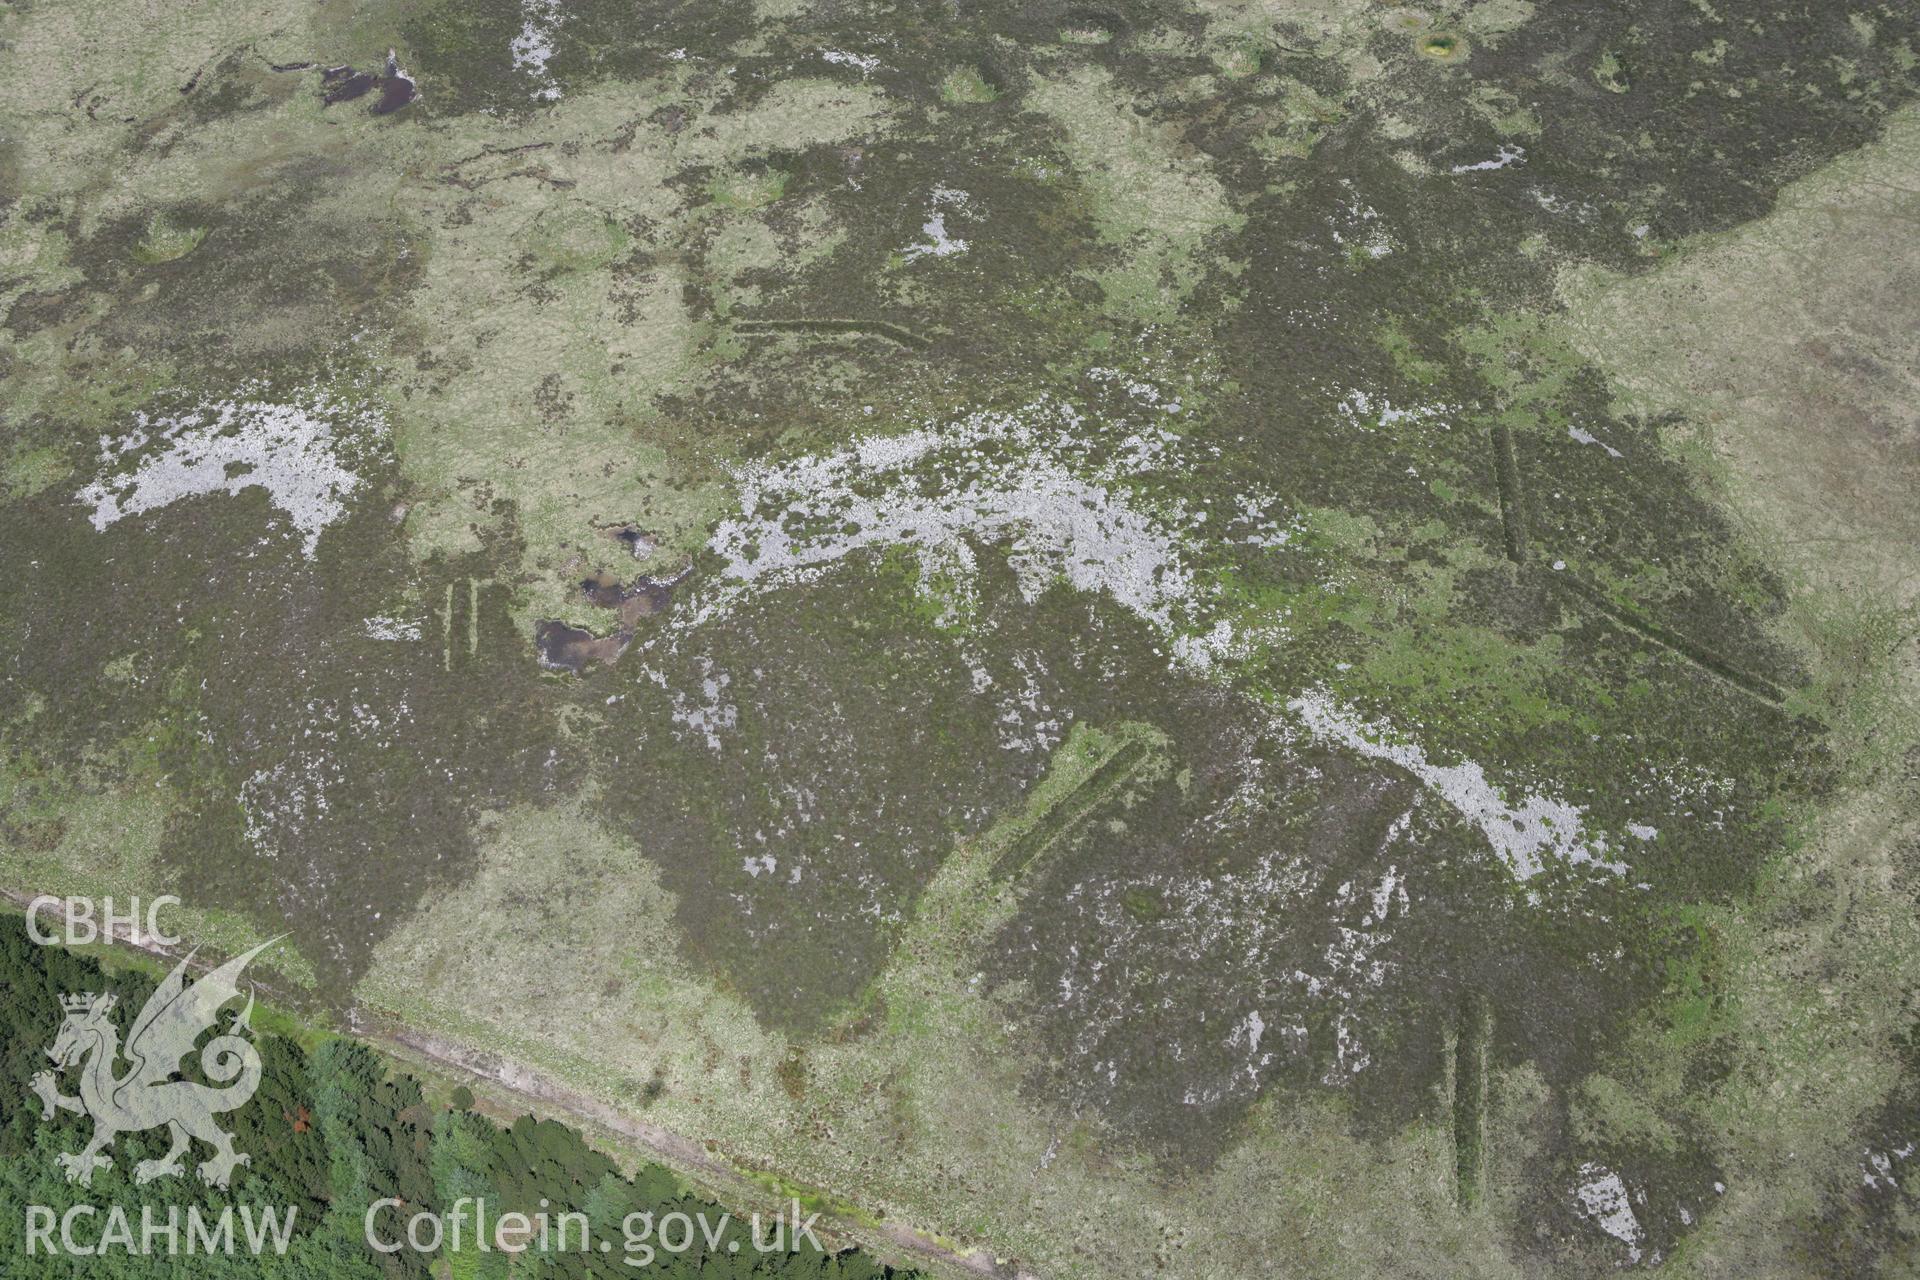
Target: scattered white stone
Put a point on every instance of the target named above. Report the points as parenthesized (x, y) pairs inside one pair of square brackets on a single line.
[(1200, 652), (1023, 478), (1260, 514), (1554, 204), (1349, 1059), (533, 48), (1365, 412), (1362, 226), (1587, 437), (713, 713), (385, 628), (938, 244), (1393, 885), (280, 803), (1507, 155), (294, 451), (1524, 834), (1026, 723), (866, 62), (1603, 1201), (1251, 1028), (1352, 965), (1877, 1168)]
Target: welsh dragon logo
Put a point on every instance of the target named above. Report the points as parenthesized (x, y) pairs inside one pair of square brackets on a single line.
[(148, 1095)]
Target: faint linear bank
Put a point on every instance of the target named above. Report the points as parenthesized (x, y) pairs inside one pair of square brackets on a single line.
[(1472, 1034), (476, 625), (1513, 522), (1071, 809), (1699, 655), (879, 328), (1513, 514)]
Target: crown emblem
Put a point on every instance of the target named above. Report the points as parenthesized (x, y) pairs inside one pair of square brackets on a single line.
[(87, 1002)]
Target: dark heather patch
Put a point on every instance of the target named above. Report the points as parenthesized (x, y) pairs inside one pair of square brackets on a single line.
[(322, 778), (798, 777)]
